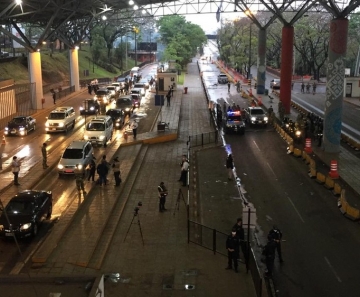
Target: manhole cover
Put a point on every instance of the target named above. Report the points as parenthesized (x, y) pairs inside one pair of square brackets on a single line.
[(189, 287), (167, 287)]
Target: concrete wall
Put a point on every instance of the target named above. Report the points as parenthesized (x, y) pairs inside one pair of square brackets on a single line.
[(352, 87)]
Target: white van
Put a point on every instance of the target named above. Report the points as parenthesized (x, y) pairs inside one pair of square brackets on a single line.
[(60, 119), (134, 70), (99, 130)]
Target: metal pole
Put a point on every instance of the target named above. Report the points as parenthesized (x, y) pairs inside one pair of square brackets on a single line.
[(126, 54), (249, 54), (214, 241), (135, 50), (248, 242)]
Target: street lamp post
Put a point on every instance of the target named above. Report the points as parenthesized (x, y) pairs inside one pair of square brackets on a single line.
[(136, 30), (249, 71)]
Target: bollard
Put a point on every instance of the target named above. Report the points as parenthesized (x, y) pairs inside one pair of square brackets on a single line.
[(333, 170), (308, 148), (259, 101), (125, 136)]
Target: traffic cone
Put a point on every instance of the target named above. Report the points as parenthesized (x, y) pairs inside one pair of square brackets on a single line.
[(333, 170), (308, 148)]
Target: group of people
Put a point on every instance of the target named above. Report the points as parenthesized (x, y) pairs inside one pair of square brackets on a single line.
[(93, 86), (308, 87)]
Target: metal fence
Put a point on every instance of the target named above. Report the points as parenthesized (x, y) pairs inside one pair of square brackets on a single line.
[(215, 240), (203, 139)]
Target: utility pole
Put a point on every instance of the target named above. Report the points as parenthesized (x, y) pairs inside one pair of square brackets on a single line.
[(249, 71)]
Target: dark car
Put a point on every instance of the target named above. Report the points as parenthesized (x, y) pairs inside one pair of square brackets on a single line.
[(233, 122), (136, 99), (20, 126), (90, 106), (222, 78), (125, 103), (103, 96), (25, 212), (118, 117)]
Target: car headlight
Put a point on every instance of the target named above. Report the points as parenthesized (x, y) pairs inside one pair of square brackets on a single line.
[(298, 133), (253, 118), (79, 166), (117, 124), (81, 108), (25, 227), (46, 124), (61, 124), (92, 108), (265, 118), (86, 137), (61, 167), (6, 128), (101, 137), (127, 109)]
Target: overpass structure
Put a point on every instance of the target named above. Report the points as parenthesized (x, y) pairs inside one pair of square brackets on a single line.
[(71, 20)]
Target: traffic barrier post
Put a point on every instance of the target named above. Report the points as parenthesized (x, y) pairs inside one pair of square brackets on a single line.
[(320, 178), (312, 168), (297, 152), (337, 189), (304, 155), (308, 148), (333, 170), (329, 183), (342, 203)]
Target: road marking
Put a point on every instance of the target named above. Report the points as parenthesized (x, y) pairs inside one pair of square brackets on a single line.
[(271, 169), (256, 145), (332, 269), (292, 203)]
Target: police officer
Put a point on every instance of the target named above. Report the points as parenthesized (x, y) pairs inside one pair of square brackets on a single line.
[(162, 196), (269, 253), (116, 170), (92, 169), (79, 178), (238, 227), (44, 155), (276, 234), (232, 246)]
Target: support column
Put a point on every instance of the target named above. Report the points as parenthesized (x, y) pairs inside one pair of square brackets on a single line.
[(261, 73), (335, 85), (287, 45), (34, 63), (74, 68)]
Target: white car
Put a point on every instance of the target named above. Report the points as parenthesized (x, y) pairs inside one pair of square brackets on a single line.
[(112, 90), (275, 83), (117, 85)]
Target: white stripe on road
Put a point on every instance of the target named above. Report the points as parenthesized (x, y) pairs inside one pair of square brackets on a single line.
[(256, 145), (271, 169), (292, 203), (332, 269)]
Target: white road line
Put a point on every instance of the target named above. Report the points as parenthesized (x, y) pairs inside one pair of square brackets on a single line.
[(271, 169), (292, 203), (332, 269), (256, 145)]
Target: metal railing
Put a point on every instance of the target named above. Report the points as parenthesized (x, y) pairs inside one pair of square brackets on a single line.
[(203, 138)]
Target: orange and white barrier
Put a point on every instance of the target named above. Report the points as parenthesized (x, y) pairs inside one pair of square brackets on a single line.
[(308, 148), (333, 169)]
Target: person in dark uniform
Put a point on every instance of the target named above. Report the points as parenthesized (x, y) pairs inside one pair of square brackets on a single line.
[(238, 227), (162, 196), (276, 234), (230, 166), (89, 89), (92, 169), (79, 178), (269, 253), (232, 246), (228, 87), (116, 170)]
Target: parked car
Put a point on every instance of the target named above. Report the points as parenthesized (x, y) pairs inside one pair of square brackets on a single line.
[(222, 78), (20, 126), (275, 83), (118, 117), (125, 103), (24, 213), (103, 96), (90, 106), (4, 54), (77, 153), (256, 116)]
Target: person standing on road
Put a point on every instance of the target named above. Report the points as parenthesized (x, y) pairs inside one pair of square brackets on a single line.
[(314, 88), (162, 196), (269, 254), (228, 87), (15, 168), (230, 166), (134, 126), (116, 170), (44, 155), (276, 234), (102, 170), (79, 178), (168, 96), (172, 90), (302, 87), (184, 171), (232, 246), (54, 97), (89, 88), (92, 169)]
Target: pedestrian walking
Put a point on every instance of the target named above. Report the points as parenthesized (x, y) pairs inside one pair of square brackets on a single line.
[(314, 88), (276, 234), (168, 96), (172, 90), (269, 254), (302, 87), (54, 97), (238, 227), (184, 171), (15, 168), (89, 88), (79, 178), (228, 87), (134, 126), (44, 155), (162, 196), (308, 88), (116, 170), (232, 246), (92, 169), (230, 166)]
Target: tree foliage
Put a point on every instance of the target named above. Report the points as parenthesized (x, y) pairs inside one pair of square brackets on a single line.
[(182, 38)]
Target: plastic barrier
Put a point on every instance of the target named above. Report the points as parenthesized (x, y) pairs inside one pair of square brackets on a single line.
[(308, 158), (352, 213), (290, 149), (304, 155), (297, 152), (342, 203), (337, 189), (308, 148), (320, 178), (329, 183), (333, 170), (312, 172)]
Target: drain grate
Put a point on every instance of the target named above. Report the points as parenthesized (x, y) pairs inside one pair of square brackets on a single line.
[(167, 287)]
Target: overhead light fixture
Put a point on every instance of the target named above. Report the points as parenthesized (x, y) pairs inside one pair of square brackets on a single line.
[(143, 11), (131, 2), (18, 2), (104, 17), (76, 47), (136, 7)]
